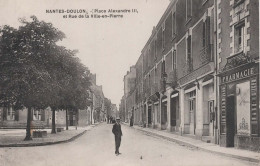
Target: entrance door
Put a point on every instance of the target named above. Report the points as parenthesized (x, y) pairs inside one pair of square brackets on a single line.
[(194, 111), (164, 113), (149, 115), (230, 120), (144, 115), (173, 111), (192, 105)]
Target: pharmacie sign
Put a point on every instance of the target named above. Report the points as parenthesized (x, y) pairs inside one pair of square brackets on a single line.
[(238, 75)]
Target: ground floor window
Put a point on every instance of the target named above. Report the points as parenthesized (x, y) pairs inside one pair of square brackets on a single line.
[(36, 115), (192, 105), (9, 113)]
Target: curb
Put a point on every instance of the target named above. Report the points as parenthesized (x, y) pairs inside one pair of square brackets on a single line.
[(182, 143), (45, 143)]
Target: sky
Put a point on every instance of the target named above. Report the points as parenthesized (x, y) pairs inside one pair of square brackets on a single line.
[(107, 46)]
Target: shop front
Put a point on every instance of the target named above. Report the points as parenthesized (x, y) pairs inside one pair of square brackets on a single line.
[(239, 106), (174, 111)]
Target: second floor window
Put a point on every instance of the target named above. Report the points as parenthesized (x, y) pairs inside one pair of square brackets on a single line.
[(174, 59), (173, 24), (239, 38), (188, 58), (155, 49), (188, 9), (163, 35)]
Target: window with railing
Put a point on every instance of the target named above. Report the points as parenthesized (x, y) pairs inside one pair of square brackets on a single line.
[(173, 24), (188, 9), (206, 51), (163, 35), (189, 66), (237, 2), (174, 59), (155, 49)]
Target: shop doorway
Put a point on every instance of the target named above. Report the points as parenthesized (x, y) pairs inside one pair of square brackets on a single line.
[(230, 118), (149, 115), (192, 111), (144, 115), (174, 111), (164, 115)]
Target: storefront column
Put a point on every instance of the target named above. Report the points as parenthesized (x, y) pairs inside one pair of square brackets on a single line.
[(182, 110), (146, 114), (199, 109), (169, 91)]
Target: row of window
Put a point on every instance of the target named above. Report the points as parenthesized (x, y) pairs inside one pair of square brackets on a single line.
[(169, 63), (159, 42), (160, 39), (11, 115)]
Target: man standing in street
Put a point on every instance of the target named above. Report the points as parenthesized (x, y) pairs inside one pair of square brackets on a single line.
[(118, 133)]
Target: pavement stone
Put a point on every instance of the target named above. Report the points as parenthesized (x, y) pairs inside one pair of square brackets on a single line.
[(198, 144)]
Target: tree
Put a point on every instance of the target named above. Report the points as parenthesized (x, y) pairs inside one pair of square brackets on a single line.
[(26, 80), (37, 73)]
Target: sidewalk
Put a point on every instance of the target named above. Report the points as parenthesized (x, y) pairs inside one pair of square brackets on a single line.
[(198, 144), (14, 137)]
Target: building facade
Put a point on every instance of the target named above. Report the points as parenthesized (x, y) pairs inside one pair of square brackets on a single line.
[(11, 118), (129, 87), (201, 59), (239, 73)]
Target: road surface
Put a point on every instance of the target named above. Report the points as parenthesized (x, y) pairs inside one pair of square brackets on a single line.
[(97, 147)]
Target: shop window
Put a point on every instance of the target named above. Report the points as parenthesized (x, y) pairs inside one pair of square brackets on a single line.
[(211, 114), (239, 38)]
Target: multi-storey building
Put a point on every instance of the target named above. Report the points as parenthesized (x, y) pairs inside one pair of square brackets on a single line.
[(179, 84), (122, 109), (198, 54), (129, 87), (238, 64)]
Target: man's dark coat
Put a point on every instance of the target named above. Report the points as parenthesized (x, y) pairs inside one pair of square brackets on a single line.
[(118, 133)]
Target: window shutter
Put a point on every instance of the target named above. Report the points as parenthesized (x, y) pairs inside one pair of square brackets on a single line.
[(42, 115), (163, 68), (204, 35), (32, 111), (4, 113), (208, 30), (16, 115)]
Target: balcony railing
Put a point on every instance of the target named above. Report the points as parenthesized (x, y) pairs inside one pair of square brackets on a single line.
[(206, 54)]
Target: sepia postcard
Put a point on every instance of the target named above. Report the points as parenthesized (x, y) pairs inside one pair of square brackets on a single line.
[(129, 83)]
